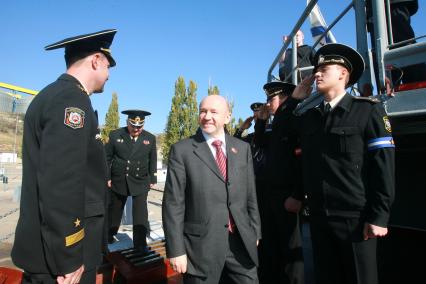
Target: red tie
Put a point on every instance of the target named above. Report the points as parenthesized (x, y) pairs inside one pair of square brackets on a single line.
[(221, 163), (220, 157)]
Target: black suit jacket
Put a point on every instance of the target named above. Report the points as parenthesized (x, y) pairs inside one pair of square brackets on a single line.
[(197, 201), (131, 164), (64, 183)]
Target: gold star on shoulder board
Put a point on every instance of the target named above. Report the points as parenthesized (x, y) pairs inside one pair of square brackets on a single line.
[(77, 222)]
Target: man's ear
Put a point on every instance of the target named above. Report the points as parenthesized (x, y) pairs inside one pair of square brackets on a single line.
[(95, 60), (228, 118), (343, 73)]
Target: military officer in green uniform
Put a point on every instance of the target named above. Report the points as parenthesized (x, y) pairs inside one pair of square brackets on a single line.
[(132, 158), (58, 237)]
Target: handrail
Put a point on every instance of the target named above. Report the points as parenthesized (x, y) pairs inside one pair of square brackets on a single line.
[(299, 23), (343, 13)]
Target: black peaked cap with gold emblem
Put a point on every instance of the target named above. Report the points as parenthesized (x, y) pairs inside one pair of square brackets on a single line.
[(256, 106), (86, 44), (136, 117), (336, 53), (277, 88)]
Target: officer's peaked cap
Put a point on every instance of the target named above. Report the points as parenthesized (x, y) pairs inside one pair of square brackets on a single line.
[(336, 53), (255, 106), (278, 88), (86, 44), (136, 117)]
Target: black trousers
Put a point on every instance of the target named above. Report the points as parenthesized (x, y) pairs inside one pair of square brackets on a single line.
[(238, 268), (281, 249), (140, 217), (340, 253), (88, 277)]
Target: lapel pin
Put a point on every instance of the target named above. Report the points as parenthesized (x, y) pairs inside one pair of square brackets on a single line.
[(233, 150), (146, 142)]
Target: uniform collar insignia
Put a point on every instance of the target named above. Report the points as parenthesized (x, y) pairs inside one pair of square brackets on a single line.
[(83, 89)]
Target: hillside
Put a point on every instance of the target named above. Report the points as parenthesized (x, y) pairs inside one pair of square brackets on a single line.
[(9, 125)]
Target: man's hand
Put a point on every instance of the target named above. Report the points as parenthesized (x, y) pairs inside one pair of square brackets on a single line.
[(304, 89), (388, 88), (152, 185), (292, 205), (109, 183), (179, 263), (247, 123), (71, 278), (373, 231)]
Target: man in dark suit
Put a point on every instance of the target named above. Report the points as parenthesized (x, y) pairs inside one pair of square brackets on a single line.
[(59, 233), (132, 159), (348, 169), (210, 216)]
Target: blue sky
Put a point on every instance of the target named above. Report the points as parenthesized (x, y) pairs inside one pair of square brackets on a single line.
[(232, 43)]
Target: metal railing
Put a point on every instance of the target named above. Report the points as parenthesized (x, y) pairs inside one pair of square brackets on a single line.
[(387, 52)]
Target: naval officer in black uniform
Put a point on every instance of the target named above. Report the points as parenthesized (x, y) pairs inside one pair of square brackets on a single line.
[(60, 228), (255, 107), (132, 158), (279, 190), (348, 169)]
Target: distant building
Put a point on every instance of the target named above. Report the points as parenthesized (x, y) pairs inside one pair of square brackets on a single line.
[(10, 104), (8, 157)]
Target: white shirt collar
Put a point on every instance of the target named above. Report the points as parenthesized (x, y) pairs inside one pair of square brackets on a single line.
[(335, 101), (210, 139)]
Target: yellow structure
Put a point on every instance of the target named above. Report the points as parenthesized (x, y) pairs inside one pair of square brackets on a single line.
[(17, 89)]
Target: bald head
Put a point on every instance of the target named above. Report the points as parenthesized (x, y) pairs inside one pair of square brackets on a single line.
[(214, 114), (215, 100), (299, 38)]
